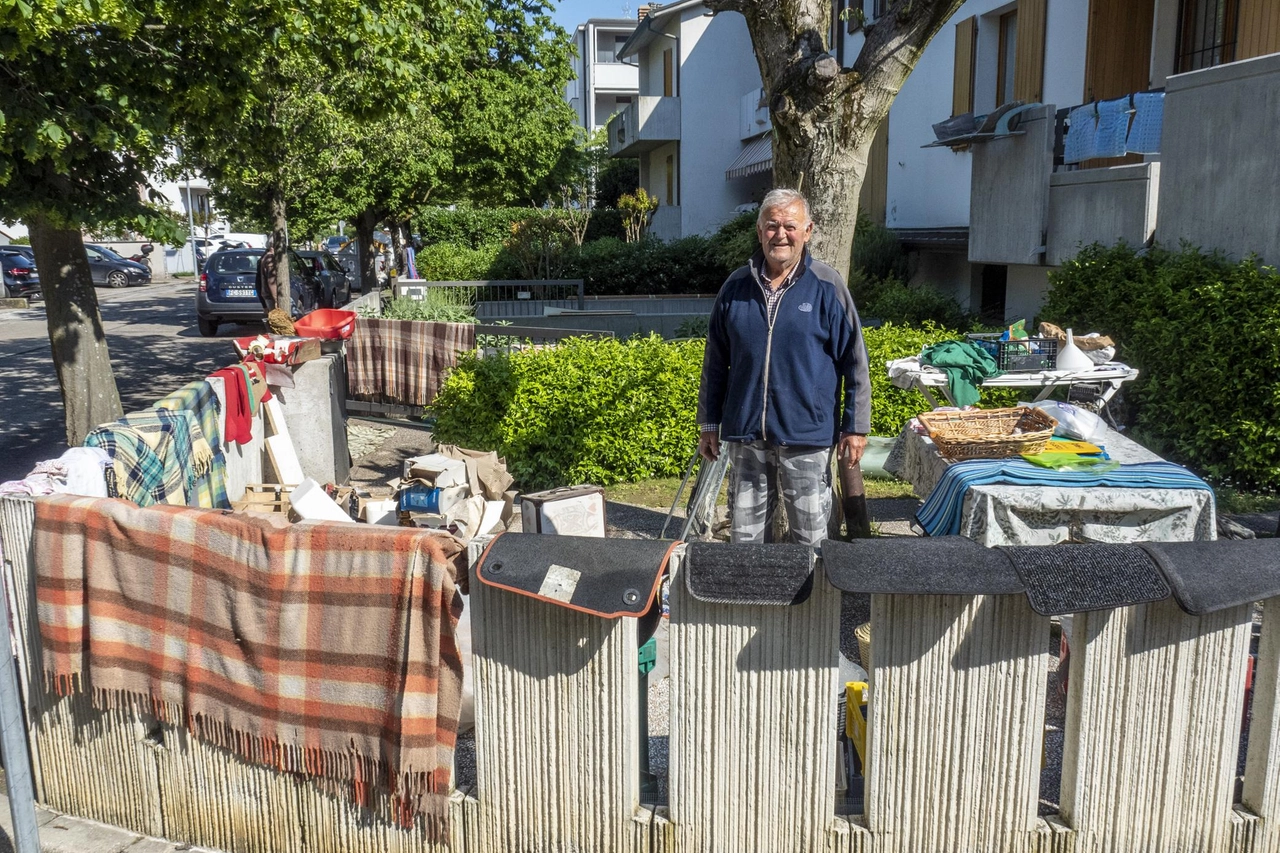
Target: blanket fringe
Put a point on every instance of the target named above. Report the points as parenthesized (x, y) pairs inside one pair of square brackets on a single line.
[(411, 795)]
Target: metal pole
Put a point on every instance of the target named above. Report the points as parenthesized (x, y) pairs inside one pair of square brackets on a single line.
[(15, 748), (191, 226)]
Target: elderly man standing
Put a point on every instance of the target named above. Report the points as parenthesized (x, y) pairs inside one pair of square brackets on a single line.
[(784, 379)]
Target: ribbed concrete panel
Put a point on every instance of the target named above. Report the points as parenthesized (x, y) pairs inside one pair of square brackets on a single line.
[(557, 742), (1262, 767), (1153, 728), (753, 722), (956, 722)]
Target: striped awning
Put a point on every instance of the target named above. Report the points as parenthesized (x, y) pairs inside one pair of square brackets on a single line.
[(757, 157)]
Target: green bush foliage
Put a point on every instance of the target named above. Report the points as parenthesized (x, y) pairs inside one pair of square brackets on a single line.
[(441, 305), (600, 411), (456, 262), (607, 411), (1205, 332), (489, 227), (908, 305), (877, 253)]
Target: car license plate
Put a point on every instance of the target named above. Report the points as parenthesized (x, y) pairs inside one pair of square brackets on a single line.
[(242, 291)]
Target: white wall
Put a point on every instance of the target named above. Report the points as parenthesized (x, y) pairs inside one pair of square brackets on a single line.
[(717, 67)]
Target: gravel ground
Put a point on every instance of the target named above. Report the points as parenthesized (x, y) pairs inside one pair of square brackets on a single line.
[(378, 447)]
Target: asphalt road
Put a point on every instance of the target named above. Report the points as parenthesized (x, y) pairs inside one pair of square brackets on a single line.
[(155, 348)]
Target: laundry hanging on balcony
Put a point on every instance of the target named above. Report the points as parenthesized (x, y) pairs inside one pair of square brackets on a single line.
[(755, 159), (1113, 127), (1148, 123)]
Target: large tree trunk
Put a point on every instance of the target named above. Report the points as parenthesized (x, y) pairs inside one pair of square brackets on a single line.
[(280, 250), (76, 336), (824, 116), (366, 222)]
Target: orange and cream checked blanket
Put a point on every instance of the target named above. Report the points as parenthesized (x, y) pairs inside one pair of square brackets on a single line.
[(315, 648)]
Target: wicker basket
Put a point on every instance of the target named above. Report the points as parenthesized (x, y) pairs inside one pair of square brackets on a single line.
[(990, 433)]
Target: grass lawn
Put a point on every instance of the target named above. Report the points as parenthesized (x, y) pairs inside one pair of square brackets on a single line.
[(661, 492)]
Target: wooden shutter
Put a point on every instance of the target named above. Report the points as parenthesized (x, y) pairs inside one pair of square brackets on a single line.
[(875, 183), (1118, 52), (1258, 28), (668, 74), (1028, 62), (966, 51)]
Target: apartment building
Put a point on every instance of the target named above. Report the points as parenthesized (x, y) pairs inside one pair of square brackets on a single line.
[(987, 217), (603, 84)]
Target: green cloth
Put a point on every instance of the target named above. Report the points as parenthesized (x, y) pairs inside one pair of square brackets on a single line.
[(966, 365), (1071, 462)]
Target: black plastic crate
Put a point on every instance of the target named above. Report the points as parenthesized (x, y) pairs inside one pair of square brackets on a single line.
[(1027, 354)]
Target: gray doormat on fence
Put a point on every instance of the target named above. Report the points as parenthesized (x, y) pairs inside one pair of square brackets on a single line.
[(1063, 579), (1209, 576), (941, 565), (605, 577), (749, 574)]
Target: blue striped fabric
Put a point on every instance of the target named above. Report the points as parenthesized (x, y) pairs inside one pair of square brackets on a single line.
[(940, 515)]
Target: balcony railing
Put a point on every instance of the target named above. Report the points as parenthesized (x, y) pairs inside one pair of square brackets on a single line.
[(646, 124)]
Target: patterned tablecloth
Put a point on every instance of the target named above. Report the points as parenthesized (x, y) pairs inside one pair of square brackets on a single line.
[(1040, 515)]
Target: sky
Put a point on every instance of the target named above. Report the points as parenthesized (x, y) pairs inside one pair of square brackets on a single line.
[(570, 13)]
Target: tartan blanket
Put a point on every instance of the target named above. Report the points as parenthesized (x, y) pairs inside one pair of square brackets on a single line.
[(327, 650), (199, 398), (942, 510), (138, 471), (403, 361), (157, 456)]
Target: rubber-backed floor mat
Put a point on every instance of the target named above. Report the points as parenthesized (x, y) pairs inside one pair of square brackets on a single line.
[(909, 565), (1209, 576), (1063, 579), (607, 577), (749, 574)]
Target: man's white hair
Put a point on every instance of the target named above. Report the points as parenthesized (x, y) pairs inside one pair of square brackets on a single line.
[(782, 198)]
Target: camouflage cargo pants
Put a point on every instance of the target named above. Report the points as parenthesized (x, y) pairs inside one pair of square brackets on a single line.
[(760, 473)]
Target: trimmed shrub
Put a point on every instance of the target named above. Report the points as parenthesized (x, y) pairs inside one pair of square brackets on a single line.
[(1205, 332), (892, 301), (456, 262), (489, 227), (601, 411), (651, 267), (607, 411)]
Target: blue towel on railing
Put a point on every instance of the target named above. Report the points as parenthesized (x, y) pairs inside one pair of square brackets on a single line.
[(1148, 123), (1113, 127), (1081, 134), (940, 515)]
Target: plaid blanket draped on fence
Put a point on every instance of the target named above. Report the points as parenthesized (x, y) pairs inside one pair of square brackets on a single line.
[(322, 649), (403, 361), (199, 398)]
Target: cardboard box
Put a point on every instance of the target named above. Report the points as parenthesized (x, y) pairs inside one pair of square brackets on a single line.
[(570, 511), (437, 469)]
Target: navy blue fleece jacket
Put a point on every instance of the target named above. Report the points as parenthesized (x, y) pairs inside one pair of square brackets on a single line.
[(785, 384)]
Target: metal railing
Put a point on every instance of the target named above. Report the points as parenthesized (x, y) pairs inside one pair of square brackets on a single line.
[(496, 299)]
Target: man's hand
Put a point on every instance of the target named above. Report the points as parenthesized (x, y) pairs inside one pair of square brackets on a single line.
[(850, 448), (709, 446)]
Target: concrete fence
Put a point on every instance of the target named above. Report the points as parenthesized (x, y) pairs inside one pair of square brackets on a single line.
[(956, 726)]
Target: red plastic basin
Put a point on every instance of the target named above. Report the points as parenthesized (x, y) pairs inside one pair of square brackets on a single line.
[(328, 324)]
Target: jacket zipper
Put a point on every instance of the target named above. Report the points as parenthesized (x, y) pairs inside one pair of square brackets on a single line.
[(768, 356)]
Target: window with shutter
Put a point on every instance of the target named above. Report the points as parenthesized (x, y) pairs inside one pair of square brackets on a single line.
[(966, 52), (1028, 72)]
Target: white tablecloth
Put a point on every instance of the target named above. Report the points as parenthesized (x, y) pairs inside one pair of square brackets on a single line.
[(1037, 515)]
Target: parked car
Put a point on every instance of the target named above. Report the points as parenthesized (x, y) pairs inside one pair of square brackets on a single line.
[(336, 243), (113, 270), (21, 250), (21, 279), (228, 291), (332, 282)]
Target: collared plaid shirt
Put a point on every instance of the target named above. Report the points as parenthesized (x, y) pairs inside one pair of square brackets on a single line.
[(772, 298)]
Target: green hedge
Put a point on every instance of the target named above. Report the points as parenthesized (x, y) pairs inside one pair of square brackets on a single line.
[(607, 411), (1205, 332), (490, 226), (599, 411)]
